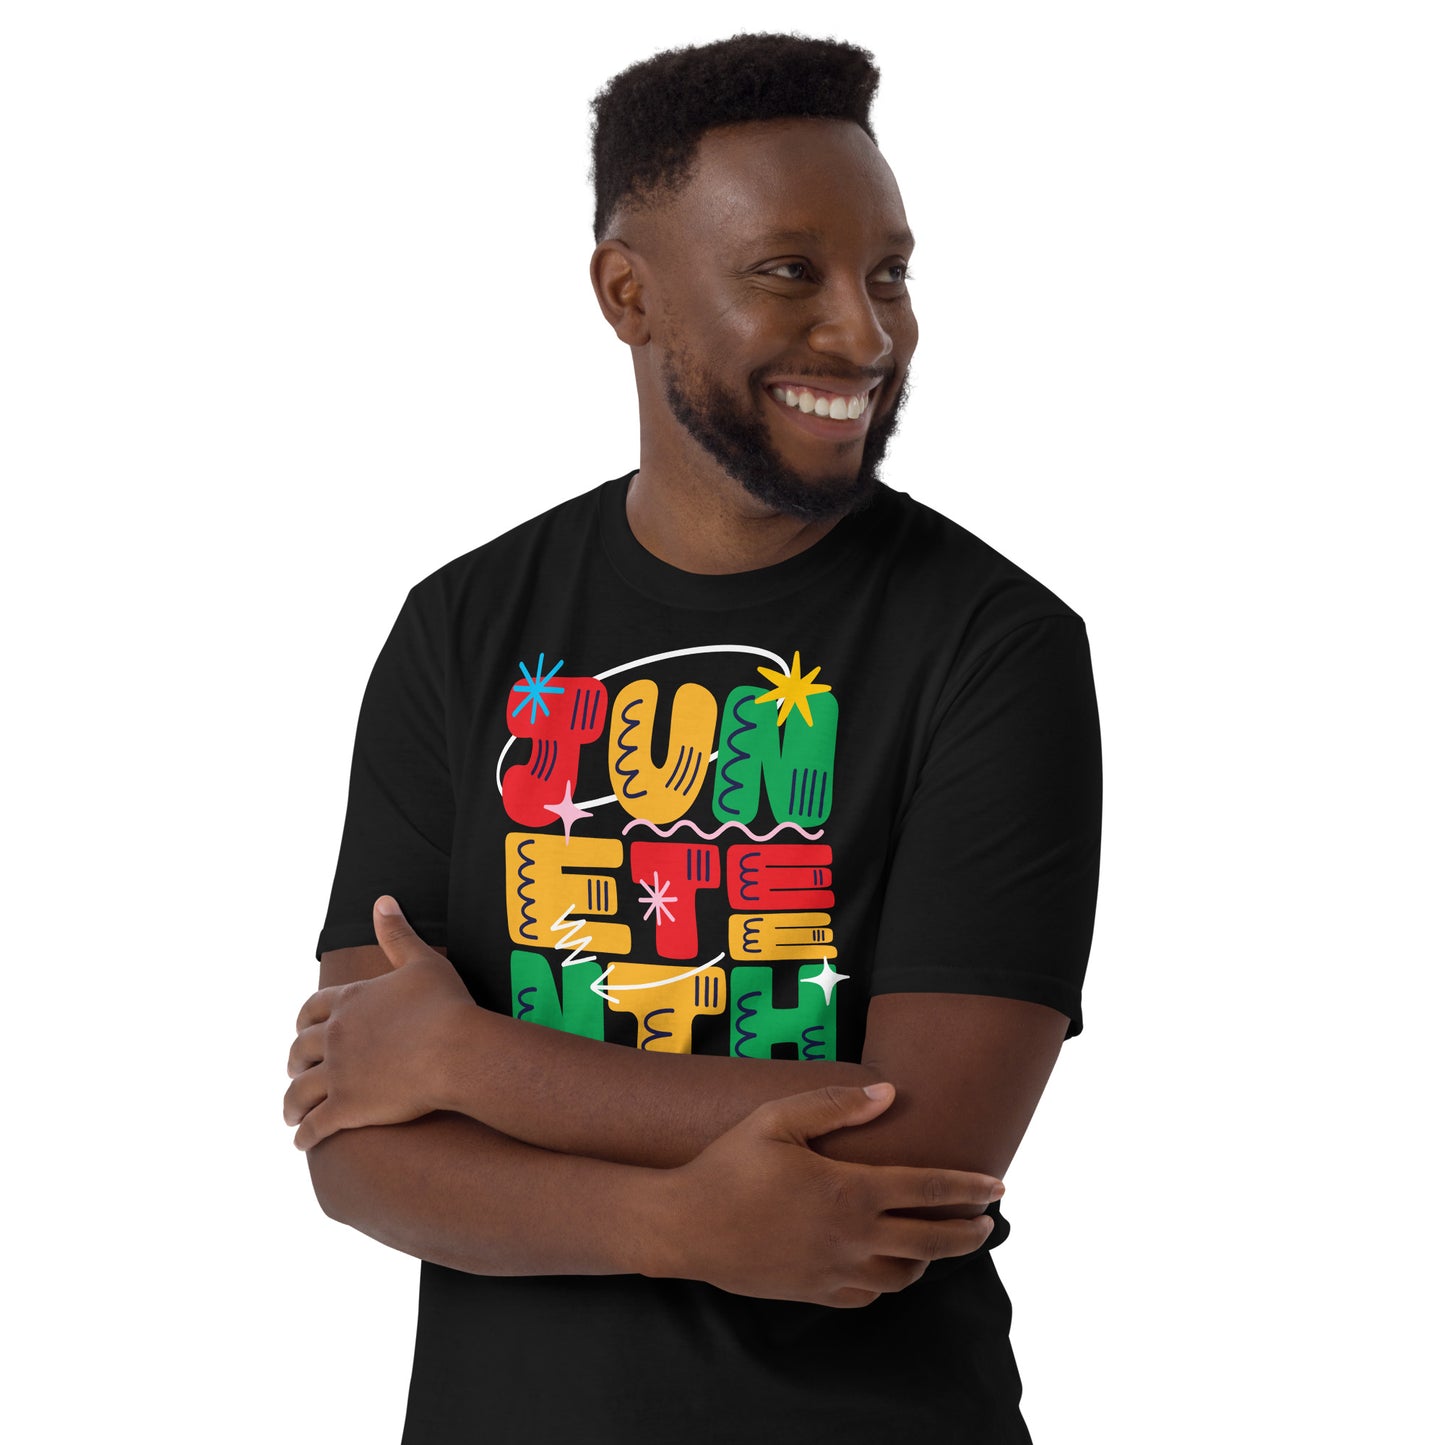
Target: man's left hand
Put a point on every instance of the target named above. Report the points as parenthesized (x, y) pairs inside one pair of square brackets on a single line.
[(374, 1051)]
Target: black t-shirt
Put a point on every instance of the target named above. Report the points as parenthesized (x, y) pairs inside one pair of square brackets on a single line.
[(718, 814)]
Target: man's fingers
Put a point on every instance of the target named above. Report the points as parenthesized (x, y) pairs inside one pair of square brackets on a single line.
[(801, 1117), (929, 1239), (396, 936), (317, 1007), (851, 1298), (305, 1093), (887, 1274), (320, 1122), (308, 1049), (903, 1186)]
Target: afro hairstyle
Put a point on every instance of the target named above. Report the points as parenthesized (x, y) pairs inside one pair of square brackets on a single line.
[(647, 120)]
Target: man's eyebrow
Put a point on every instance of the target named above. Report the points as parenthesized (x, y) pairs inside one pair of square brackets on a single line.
[(903, 238)]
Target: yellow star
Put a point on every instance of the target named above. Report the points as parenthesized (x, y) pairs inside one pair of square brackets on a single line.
[(793, 690)]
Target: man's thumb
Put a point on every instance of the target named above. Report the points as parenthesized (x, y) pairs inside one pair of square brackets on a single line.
[(820, 1111), (393, 932)]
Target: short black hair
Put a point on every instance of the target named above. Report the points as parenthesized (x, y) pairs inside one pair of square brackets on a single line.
[(647, 120)]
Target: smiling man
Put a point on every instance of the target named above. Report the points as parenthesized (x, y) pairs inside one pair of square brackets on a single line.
[(718, 873), (724, 367)]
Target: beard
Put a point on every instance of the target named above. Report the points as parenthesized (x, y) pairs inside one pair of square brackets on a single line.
[(739, 442)]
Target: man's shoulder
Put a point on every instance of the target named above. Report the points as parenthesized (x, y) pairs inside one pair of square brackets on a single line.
[(952, 570), (496, 564)]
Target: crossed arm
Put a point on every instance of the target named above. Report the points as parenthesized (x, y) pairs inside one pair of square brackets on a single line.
[(495, 1146)]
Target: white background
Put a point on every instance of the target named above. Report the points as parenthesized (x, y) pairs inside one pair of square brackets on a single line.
[(295, 309)]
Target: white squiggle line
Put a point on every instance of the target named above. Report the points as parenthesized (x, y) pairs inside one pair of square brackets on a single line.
[(596, 984), (569, 939), (688, 823), (642, 662)]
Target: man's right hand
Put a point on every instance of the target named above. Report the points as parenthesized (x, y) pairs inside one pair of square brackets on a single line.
[(760, 1213)]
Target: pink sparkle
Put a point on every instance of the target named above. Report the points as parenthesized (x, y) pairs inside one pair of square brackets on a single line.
[(567, 811), (656, 896)]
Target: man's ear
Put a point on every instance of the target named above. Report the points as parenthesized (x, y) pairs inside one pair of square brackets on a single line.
[(617, 273)]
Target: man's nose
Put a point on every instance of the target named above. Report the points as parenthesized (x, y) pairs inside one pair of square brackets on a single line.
[(849, 326)]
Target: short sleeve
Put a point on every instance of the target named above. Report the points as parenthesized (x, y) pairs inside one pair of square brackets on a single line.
[(400, 807), (995, 868)]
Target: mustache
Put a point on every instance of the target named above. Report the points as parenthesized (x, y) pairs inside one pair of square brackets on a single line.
[(862, 380)]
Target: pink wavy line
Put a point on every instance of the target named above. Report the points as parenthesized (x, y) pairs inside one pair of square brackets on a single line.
[(756, 837)]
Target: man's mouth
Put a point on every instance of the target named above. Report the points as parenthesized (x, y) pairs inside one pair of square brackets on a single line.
[(825, 405)]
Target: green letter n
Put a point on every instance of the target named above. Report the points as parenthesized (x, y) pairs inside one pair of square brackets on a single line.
[(576, 1010), (794, 761)]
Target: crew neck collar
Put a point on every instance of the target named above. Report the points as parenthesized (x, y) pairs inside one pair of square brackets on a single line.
[(714, 591)]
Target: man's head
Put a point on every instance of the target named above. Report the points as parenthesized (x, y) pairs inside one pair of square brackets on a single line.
[(752, 251)]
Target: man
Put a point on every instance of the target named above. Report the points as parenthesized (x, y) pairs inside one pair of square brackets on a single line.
[(771, 794)]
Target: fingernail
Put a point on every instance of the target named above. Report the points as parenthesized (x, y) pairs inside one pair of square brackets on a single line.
[(387, 904), (997, 1192), (877, 1091)]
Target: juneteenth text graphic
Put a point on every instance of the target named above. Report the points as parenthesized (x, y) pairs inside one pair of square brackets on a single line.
[(757, 767)]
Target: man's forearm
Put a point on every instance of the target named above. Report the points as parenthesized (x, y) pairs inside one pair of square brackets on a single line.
[(399, 1033), (586, 1097), (450, 1190), (757, 1213)]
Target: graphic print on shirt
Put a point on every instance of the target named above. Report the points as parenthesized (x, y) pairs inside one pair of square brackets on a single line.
[(608, 920)]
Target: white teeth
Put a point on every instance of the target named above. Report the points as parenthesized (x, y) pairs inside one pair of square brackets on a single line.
[(838, 408)]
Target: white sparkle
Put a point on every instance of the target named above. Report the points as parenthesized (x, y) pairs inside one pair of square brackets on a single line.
[(827, 978)]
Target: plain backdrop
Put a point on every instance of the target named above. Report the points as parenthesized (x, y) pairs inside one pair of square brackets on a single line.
[(294, 308)]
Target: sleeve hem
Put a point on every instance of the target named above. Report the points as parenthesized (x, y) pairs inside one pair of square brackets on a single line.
[(1030, 988)]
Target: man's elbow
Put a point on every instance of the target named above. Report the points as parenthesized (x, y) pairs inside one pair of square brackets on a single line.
[(324, 1162), (341, 1167)]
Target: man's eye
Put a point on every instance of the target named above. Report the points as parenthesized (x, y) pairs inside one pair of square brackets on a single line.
[(896, 274), (801, 267)]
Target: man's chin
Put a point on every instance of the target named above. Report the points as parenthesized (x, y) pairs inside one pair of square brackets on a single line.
[(743, 446), (825, 498), (822, 499)]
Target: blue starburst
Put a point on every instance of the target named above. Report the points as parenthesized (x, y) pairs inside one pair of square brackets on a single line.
[(533, 687)]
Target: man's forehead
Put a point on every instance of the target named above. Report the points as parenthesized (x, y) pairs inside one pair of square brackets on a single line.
[(809, 236), (792, 181)]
